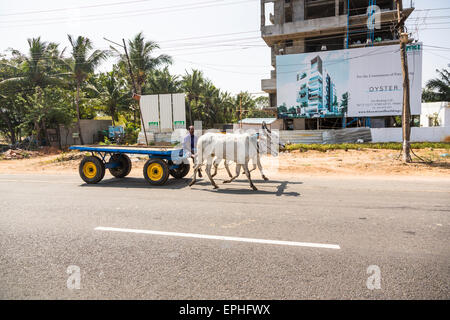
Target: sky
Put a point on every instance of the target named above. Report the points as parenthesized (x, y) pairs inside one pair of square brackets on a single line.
[(219, 37)]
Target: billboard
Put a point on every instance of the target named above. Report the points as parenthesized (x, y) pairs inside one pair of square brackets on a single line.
[(163, 112), (360, 82)]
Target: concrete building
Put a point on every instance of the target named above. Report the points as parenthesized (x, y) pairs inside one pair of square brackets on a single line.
[(300, 26)]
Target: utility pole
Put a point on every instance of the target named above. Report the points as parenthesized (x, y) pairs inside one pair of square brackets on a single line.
[(406, 110), (240, 111), (135, 93), (130, 71)]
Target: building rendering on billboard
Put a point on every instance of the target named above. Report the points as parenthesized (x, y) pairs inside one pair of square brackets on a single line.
[(316, 92), (360, 82)]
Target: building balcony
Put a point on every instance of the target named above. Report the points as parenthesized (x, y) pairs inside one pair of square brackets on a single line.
[(269, 85)]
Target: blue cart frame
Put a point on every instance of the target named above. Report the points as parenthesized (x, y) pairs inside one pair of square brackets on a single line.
[(161, 163)]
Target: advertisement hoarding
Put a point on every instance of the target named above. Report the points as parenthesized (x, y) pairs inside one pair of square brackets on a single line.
[(360, 82), (164, 112)]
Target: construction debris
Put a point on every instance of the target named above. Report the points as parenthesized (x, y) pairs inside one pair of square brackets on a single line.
[(14, 154)]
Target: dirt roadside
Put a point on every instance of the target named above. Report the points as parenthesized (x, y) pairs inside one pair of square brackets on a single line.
[(367, 162)]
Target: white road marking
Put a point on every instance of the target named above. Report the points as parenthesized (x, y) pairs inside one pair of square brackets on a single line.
[(225, 238)]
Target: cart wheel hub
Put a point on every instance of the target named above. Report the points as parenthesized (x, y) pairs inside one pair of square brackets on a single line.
[(90, 170), (155, 171)]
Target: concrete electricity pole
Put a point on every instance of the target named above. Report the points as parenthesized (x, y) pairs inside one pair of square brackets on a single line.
[(406, 110), (135, 91), (240, 112)]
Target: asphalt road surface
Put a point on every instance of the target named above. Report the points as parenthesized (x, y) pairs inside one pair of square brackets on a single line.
[(130, 240)]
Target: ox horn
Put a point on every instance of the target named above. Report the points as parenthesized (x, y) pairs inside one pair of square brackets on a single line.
[(264, 126)]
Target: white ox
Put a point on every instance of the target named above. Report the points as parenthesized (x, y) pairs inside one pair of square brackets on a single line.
[(214, 147), (237, 147)]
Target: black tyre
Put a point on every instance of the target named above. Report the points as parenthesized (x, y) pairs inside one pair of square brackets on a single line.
[(156, 171), (91, 169), (125, 165), (181, 171)]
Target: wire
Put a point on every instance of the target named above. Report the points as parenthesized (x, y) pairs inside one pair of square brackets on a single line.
[(438, 55), (72, 8), (126, 14), (245, 45)]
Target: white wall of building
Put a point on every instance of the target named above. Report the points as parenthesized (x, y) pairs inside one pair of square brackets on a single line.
[(433, 109), (429, 134)]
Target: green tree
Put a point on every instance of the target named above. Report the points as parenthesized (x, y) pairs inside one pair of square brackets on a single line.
[(262, 102), (24, 75), (282, 108), (38, 68), (437, 89), (228, 107), (111, 92), (82, 64), (210, 111), (50, 107), (192, 84), (161, 81), (142, 61), (344, 103)]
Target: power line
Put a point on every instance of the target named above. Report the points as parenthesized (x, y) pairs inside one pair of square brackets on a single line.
[(225, 42), (126, 14), (72, 8), (133, 12)]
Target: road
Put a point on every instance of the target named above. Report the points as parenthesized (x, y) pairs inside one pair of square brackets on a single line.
[(51, 222)]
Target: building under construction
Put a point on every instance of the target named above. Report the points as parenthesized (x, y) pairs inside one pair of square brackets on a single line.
[(302, 26)]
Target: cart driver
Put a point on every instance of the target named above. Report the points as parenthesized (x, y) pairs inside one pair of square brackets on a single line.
[(190, 146)]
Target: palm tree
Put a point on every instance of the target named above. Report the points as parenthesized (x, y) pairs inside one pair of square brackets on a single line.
[(161, 81), (110, 89), (228, 106), (192, 83), (38, 68), (438, 89), (82, 64), (141, 59), (35, 71), (211, 107)]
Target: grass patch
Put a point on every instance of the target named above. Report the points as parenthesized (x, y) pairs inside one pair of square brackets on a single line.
[(359, 146)]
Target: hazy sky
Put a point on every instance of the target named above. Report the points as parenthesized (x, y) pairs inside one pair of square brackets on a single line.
[(238, 62)]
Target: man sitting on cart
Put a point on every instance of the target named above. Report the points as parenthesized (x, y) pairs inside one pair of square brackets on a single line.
[(190, 146)]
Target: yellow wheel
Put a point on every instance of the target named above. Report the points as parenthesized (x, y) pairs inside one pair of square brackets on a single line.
[(156, 171), (91, 169)]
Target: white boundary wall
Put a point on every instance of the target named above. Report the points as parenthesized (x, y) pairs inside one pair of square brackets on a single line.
[(418, 134)]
